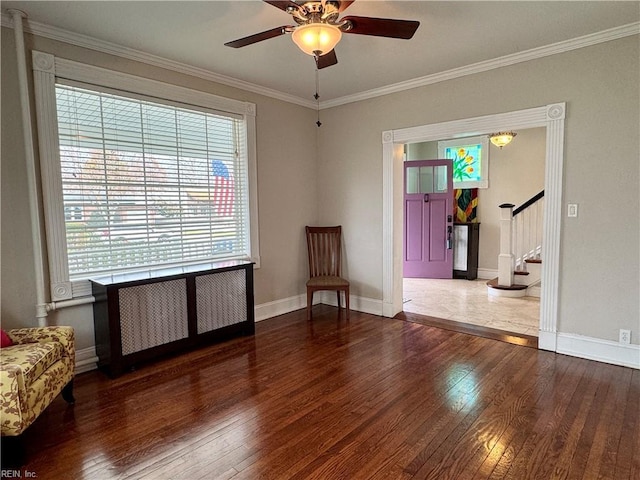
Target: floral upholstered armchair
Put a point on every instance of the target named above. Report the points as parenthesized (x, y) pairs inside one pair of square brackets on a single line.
[(36, 365)]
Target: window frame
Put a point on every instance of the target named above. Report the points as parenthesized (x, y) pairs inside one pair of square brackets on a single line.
[(47, 69), (483, 140)]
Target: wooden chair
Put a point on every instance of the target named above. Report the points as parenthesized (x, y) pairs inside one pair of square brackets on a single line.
[(324, 245)]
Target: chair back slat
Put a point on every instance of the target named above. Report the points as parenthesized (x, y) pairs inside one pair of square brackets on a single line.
[(324, 247)]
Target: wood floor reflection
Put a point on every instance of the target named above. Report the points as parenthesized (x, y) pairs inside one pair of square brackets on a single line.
[(467, 301), (368, 398)]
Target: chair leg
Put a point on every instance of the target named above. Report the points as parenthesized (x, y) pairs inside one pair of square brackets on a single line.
[(346, 300), (309, 303), (13, 453), (67, 393), (338, 293)]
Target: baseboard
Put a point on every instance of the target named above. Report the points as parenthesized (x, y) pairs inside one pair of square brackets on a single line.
[(487, 273), (600, 350), (86, 360), (286, 305), (534, 291), (280, 307), (547, 341), (590, 348), (361, 304)]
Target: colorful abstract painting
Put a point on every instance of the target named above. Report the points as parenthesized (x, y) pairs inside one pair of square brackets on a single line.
[(465, 205)]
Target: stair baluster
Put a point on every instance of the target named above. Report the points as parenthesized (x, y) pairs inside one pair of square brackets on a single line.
[(520, 237)]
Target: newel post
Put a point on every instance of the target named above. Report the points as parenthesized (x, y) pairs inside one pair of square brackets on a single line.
[(505, 259)]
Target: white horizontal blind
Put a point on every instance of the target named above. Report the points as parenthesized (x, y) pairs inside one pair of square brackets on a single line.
[(147, 184)]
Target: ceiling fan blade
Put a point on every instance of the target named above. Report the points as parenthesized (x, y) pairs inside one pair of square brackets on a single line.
[(326, 60), (258, 37), (282, 5), (382, 27)]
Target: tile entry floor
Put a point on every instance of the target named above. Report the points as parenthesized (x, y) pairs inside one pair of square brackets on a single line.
[(467, 301)]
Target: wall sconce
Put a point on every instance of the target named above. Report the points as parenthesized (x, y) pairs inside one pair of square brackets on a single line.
[(501, 139)]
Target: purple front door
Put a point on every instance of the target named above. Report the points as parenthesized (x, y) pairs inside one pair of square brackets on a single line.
[(428, 219)]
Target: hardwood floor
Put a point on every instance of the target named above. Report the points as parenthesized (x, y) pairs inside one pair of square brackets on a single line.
[(368, 398)]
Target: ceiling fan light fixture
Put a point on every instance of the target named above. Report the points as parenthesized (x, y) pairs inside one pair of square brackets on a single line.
[(501, 139), (316, 38)]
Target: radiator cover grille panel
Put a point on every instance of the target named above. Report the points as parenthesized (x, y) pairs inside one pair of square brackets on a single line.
[(152, 315), (221, 300)]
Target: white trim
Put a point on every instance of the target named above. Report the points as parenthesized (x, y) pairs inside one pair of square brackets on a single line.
[(86, 360), (568, 344), (91, 43), (103, 77), (547, 341), (392, 181), (497, 292), (360, 304), (280, 307), (85, 41), (486, 65), (534, 291), (487, 273), (549, 116), (268, 310), (46, 69), (599, 350)]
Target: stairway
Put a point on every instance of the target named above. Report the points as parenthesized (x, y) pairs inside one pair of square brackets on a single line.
[(526, 283), (520, 259)]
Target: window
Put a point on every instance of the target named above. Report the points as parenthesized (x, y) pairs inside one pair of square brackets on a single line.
[(470, 161), (141, 181), (147, 184)]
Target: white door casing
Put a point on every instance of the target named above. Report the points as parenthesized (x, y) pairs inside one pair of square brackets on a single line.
[(549, 116)]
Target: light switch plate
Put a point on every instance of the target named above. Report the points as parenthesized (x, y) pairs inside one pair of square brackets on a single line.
[(572, 210)]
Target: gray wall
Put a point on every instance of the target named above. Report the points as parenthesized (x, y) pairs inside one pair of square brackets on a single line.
[(287, 186), (333, 175), (599, 287)]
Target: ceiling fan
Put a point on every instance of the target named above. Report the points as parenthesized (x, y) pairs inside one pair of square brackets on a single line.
[(319, 28)]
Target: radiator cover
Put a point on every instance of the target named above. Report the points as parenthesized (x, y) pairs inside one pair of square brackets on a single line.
[(138, 319)]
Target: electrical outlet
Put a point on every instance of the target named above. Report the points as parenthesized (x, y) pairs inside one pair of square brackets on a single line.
[(625, 336)]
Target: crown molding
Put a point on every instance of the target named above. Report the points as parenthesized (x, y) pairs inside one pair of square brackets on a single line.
[(85, 41), (484, 66)]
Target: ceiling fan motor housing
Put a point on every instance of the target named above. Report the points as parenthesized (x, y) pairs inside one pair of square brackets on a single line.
[(315, 12), (318, 27)]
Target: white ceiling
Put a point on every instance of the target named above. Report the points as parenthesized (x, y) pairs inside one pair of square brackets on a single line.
[(451, 35)]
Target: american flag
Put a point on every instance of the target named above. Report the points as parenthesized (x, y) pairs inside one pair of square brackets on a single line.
[(222, 188)]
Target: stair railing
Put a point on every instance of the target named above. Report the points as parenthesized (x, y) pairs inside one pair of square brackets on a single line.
[(527, 231), (520, 237)]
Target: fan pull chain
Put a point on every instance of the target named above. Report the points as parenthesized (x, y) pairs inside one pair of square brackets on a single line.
[(317, 97)]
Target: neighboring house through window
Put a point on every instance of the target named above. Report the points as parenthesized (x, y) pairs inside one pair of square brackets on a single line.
[(144, 175)]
